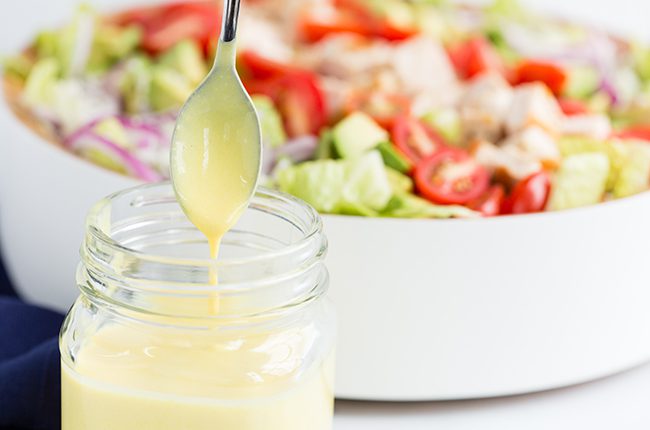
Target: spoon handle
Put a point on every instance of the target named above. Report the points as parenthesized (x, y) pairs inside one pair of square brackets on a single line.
[(230, 18)]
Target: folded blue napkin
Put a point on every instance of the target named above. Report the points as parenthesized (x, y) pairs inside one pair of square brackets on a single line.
[(29, 366)]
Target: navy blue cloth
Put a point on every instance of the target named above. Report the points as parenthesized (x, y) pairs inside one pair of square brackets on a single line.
[(5, 285), (29, 366)]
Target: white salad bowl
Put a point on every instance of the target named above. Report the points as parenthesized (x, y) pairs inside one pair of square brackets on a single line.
[(428, 309)]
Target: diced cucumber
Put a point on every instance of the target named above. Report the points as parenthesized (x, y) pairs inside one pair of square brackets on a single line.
[(273, 133), (357, 134), (393, 159), (615, 151), (580, 181), (634, 172), (113, 130), (399, 183), (46, 44), (186, 58), (169, 88), (112, 44), (326, 148), (135, 86), (582, 83), (447, 122), (39, 87)]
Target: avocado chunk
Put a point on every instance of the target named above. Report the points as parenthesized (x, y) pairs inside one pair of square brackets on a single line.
[(187, 59), (580, 181), (169, 89), (273, 133), (357, 134), (392, 158)]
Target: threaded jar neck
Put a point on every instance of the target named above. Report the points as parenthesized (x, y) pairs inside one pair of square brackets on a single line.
[(141, 254)]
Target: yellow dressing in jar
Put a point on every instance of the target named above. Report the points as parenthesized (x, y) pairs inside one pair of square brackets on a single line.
[(141, 350)]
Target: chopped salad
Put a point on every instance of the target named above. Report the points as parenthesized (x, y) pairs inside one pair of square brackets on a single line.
[(394, 108)]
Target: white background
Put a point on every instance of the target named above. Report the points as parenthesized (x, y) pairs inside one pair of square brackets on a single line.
[(619, 402)]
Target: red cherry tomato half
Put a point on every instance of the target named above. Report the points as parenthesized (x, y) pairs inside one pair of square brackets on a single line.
[(572, 107), (489, 204), (347, 16), (475, 56), (165, 26), (415, 139), (296, 92), (299, 99), (451, 177), (318, 21), (255, 66), (538, 71), (377, 24), (529, 195), (637, 132)]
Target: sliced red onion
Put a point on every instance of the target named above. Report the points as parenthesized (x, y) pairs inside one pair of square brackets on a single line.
[(70, 141), (268, 160), (608, 87), (111, 80), (134, 167), (132, 123), (298, 149), (596, 49)]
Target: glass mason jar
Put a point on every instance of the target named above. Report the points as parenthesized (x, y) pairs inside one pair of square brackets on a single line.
[(153, 344)]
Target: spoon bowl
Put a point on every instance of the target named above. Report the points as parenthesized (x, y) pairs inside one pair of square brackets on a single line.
[(216, 148)]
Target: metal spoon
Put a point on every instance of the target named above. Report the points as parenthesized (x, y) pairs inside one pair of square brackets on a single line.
[(217, 148)]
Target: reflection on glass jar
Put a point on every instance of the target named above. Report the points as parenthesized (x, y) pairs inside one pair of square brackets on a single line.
[(151, 343)]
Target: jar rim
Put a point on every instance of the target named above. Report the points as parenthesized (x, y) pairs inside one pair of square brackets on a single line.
[(95, 228), (117, 261)]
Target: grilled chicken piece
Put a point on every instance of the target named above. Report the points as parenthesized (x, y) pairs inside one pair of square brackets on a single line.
[(536, 143), (266, 37), (484, 106), (533, 104), (425, 73), (596, 126), (510, 161), (346, 56)]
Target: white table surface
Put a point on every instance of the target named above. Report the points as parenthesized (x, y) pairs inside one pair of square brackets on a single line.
[(618, 402)]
